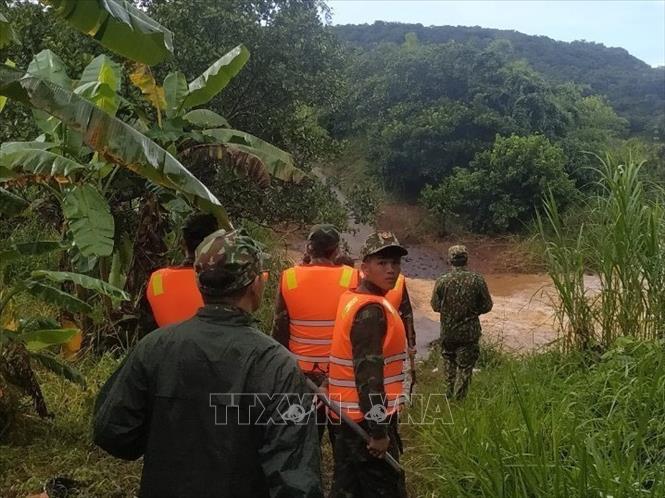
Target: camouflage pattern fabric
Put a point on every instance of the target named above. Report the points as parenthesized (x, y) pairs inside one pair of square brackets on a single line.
[(358, 474), (232, 257), (457, 252), (458, 363), (379, 241), (460, 296)]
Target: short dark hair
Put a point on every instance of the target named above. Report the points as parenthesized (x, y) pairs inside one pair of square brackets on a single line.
[(197, 227), (316, 251)]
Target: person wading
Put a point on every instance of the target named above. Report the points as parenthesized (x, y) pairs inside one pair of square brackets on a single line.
[(460, 296), (203, 400), (367, 374), (307, 303)]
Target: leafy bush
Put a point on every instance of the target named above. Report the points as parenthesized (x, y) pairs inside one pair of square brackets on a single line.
[(503, 187)]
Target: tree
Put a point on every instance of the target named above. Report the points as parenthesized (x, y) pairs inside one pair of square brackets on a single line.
[(503, 187), (295, 63)]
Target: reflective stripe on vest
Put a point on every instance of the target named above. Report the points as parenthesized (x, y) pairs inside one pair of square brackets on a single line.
[(342, 383), (173, 295), (311, 294)]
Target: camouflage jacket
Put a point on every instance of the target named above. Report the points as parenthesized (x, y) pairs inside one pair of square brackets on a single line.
[(460, 296), (165, 402)]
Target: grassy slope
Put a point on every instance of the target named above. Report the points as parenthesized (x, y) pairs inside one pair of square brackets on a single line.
[(549, 425)]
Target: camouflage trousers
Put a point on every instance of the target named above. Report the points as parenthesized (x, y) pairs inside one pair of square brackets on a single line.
[(458, 362), (360, 475)]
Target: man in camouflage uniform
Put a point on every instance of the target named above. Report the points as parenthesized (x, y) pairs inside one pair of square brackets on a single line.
[(460, 296), (360, 471), (201, 400)]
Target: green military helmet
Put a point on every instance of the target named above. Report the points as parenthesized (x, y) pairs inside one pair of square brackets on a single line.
[(324, 237), (226, 262), (457, 253), (380, 241)]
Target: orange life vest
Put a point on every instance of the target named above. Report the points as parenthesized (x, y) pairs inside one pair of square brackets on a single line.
[(173, 295), (311, 294), (342, 381), (394, 295)]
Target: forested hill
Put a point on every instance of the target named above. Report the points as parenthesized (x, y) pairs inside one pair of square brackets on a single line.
[(635, 89)]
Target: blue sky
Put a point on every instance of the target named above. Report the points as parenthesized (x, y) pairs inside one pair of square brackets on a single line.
[(636, 25)]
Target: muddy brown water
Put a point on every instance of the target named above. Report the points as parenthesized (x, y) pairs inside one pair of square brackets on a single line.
[(521, 321)]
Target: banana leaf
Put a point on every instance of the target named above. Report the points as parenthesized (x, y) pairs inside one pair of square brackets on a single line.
[(11, 204), (216, 77), (90, 220), (103, 70), (58, 366), (142, 78), (7, 34), (90, 283), (278, 163), (175, 92), (100, 83), (36, 340), (34, 158), (35, 248), (57, 297), (118, 26), (114, 140), (204, 118), (48, 66)]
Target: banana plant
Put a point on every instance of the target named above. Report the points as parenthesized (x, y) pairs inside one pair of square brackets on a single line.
[(23, 341), (119, 26)]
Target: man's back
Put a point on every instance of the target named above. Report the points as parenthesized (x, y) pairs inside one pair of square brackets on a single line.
[(198, 439), (460, 296)]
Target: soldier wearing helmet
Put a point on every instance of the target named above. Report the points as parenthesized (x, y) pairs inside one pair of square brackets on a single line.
[(460, 296)]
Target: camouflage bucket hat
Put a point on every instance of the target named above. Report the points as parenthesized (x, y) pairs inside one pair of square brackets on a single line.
[(380, 241), (324, 237), (230, 259), (457, 252)]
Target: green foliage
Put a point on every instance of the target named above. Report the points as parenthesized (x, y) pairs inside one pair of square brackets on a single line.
[(363, 202), (31, 452), (216, 77), (119, 26), (428, 109), (7, 35), (634, 88), (90, 221), (295, 62), (502, 188), (550, 425), (621, 240)]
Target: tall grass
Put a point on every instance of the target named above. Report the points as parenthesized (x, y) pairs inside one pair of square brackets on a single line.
[(551, 426), (622, 243)]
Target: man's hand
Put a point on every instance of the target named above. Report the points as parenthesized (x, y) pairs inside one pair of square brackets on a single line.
[(378, 447), (412, 351)]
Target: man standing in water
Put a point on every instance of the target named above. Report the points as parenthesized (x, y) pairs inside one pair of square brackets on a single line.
[(460, 296)]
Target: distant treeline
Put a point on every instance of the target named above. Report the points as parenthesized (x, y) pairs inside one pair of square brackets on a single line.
[(635, 89)]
